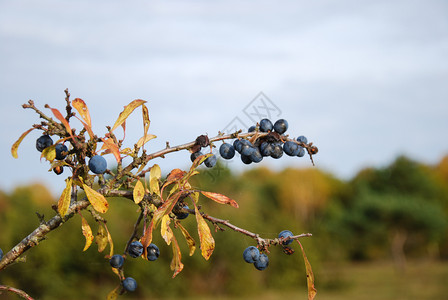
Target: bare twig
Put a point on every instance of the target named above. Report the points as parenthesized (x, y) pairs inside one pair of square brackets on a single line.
[(16, 291)]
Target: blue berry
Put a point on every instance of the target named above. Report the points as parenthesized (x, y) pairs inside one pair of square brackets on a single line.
[(302, 139), (98, 164), (211, 161), (43, 142), (301, 152), (237, 145), (251, 128), (153, 252), (256, 156), (195, 155), (291, 148), (262, 262), (1, 254), (245, 147), (116, 261), (246, 159), (227, 151), (284, 234), (266, 125), (266, 149), (182, 215), (277, 150), (251, 254), (135, 249), (281, 126), (60, 148), (130, 284)]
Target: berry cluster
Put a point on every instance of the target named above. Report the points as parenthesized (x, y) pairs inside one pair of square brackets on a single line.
[(253, 256), (260, 260), (135, 250), (272, 144), (97, 164)]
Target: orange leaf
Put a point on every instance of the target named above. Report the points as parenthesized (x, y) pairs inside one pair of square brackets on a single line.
[(139, 192), (59, 116), (309, 276), (64, 200), (87, 232), (176, 264), (205, 236), (220, 198), (15, 146), (97, 200), (147, 237), (128, 109), (110, 144), (81, 107), (146, 123)]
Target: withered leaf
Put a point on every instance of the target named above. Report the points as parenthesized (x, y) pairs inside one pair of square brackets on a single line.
[(220, 198), (190, 241), (97, 200), (16, 145), (139, 192), (176, 264), (128, 109), (309, 275), (101, 238), (87, 232), (64, 200), (205, 236)]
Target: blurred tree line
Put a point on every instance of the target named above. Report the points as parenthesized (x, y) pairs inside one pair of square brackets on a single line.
[(397, 212)]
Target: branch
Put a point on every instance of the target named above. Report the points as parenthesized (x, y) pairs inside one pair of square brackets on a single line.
[(15, 291)]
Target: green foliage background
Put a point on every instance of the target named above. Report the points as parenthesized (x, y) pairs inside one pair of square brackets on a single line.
[(357, 220)]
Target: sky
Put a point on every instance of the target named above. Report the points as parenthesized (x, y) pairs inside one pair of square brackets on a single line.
[(365, 81)]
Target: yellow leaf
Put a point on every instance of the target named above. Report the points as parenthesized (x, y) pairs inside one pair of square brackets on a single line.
[(176, 264), (139, 192), (97, 200), (101, 238), (146, 121), (220, 198), (113, 295), (145, 139), (165, 208), (15, 146), (309, 276), (87, 232), (190, 241), (154, 187), (155, 172), (49, 153), (195, 196), (111, 243), (205, 236), (154, 176), (64, 200), (128, 109), (165, 229)]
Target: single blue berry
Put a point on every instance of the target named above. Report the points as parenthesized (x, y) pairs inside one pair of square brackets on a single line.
[(227, 151), (266, 149), (251, 128), (291, 148), (302, 139), (98, 164), (277, 150), (301, 152), (256, 156), (182, 215), (248, 150), (153, 252), (43, 142), (284, 234), (1, 253), (135, 249), (195, 155), (61, 151), (244, 146), (130, 284), (262, 262), (116, 261), (210, 162), (246, 159), (251, 254), (281, 126), (266, 125), (237, 144)]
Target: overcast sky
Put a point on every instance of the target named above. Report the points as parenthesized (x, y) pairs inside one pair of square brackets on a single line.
[(364, 80)]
